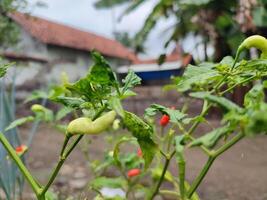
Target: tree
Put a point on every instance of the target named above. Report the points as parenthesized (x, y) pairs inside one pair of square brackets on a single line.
[(221, 23), (8, 29)]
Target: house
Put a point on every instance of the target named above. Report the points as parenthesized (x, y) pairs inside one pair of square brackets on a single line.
[(47, 48), (153, 73)]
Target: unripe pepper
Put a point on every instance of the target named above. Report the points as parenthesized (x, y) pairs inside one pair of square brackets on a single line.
[(85, 125), (256, 41), (164, 120), (38, 108), (133, 172)]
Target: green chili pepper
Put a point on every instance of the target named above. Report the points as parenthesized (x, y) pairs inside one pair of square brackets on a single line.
[(38, 108), (85, 125), (256, 41)]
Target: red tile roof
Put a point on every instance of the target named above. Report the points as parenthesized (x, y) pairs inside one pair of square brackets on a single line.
[(57, 34)]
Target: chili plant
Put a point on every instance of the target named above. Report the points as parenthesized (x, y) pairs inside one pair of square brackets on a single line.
[(95, 102)]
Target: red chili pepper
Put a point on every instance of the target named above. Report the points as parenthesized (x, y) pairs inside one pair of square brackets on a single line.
[(133, 172), (164, 120), (139, 153), (21, 149)]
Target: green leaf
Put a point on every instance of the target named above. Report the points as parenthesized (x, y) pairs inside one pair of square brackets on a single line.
[(117, 149), (63, 112), (130, 81), (143, 132), (179, 147), (150, 22), (126, 94), (257, 123), (135, 4), (19, 122), (72, 102), (101, 72), (254, 97), (113, 182), (98, 84), (197, 76), (226, 104), (38, 94), (3, 68), (45, 114), (109, 3), (161, 59), (115, 104), (175, 115), (195, 2), (50, 195), (210, 139)]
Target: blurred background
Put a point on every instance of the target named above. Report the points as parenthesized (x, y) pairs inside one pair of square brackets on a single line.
[(157, 39)]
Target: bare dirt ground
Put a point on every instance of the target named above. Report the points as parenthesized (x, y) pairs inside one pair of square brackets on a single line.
[(239, 174)]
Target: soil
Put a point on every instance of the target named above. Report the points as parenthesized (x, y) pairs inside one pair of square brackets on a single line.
[(239, 174)]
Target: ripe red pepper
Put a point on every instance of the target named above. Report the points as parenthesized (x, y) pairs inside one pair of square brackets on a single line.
[(133, 172), (164, 120), (139, 153), (21, 149)]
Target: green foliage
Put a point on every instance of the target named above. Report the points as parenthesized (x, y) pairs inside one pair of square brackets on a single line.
[(19, 122), (110, 3), (130, 81), (143, 133), (101, 182), (99, 91), (210, 139), (224, 103), (175, 115), (9, 31), (197, 77), (11, 180)]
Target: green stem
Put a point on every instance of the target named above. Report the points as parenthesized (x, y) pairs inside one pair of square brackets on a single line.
[(232, 87), (20, 164), (66, 141), (205, 149), (169, 192), (211, 158), (53, 175), (204, 111), (200, 177), (181, 164), (65, 153), (229, 144), (166, 165)]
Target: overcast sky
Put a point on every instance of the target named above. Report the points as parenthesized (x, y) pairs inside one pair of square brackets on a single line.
[(83, 15)]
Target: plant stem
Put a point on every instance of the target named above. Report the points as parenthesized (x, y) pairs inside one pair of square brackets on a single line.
[(169, 192), (53, 175), (204, 111), (229, 144), (66, 140), (181, 164), (20, 164), (211, 158), (65, 153), (201, 176), (166, 165), (242, 82)]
